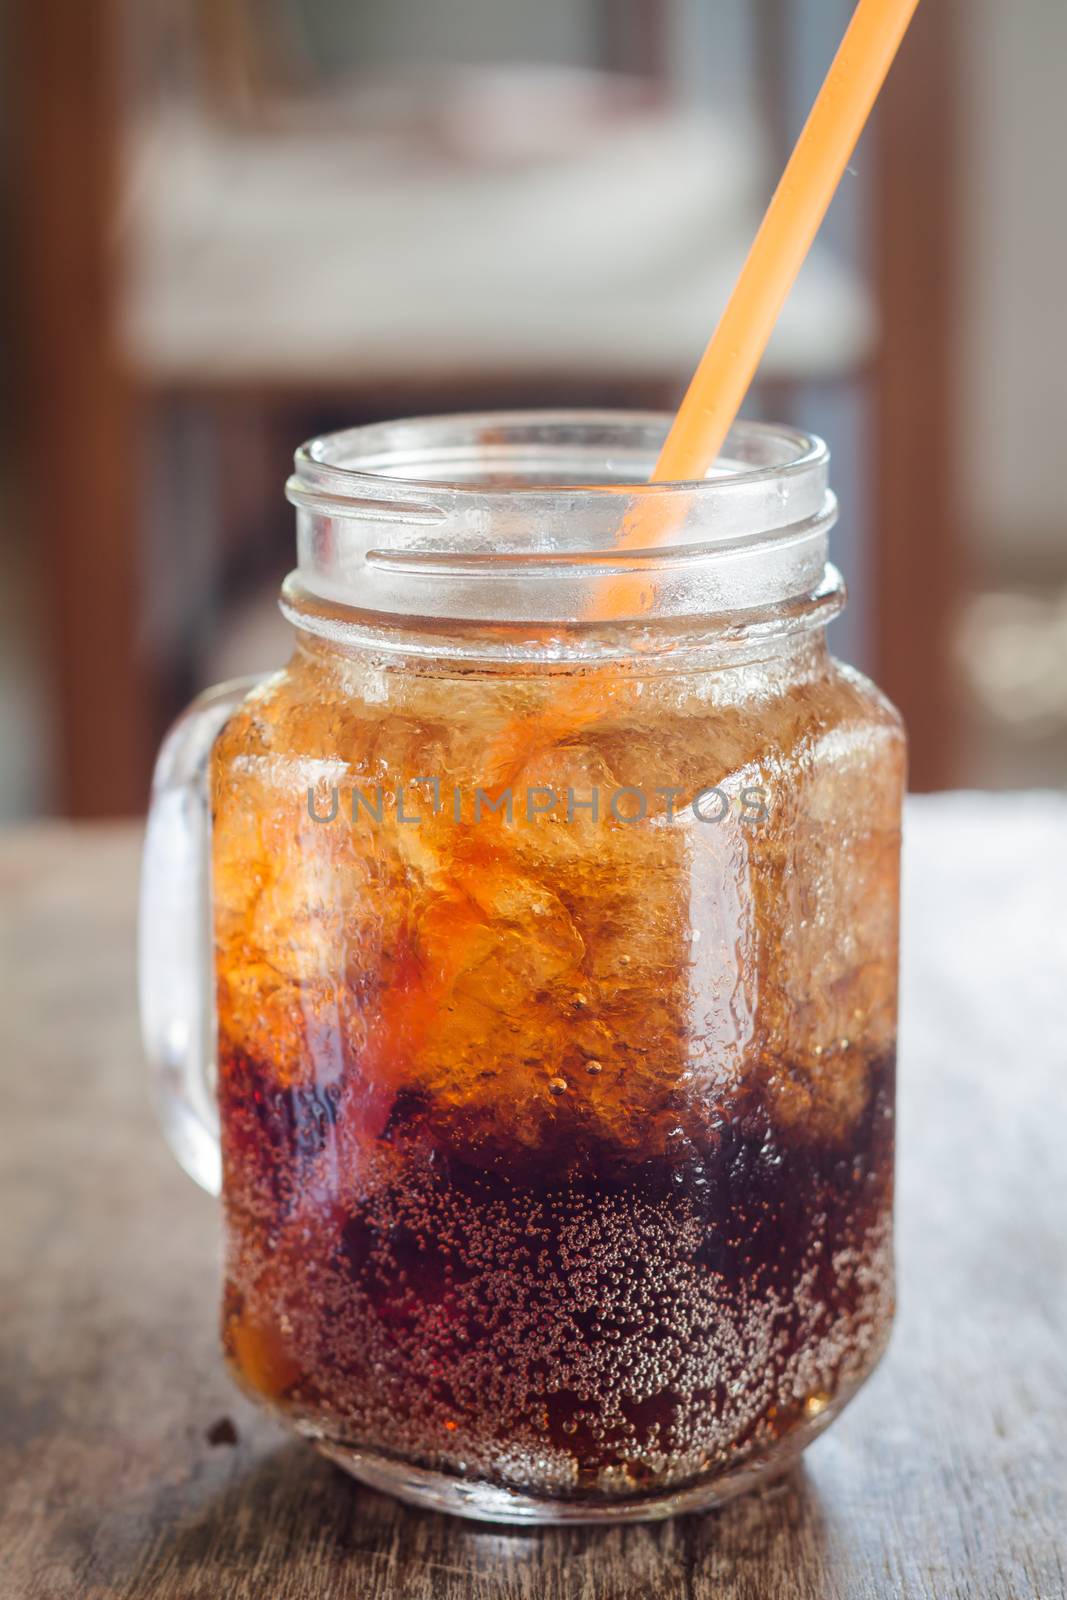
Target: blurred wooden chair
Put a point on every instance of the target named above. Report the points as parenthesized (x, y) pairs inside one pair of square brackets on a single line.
[(105, 350)]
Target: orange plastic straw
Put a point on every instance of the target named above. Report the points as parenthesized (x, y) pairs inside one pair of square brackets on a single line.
[(729, 363), (793, 218)]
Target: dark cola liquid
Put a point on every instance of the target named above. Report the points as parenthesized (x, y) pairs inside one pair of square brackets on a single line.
[(552, 1320), (557, 1156)]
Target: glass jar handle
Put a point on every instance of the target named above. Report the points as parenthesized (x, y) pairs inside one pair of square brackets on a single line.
[(176, 978)]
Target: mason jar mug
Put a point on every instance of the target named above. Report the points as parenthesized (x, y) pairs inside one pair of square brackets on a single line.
[(520, 963)]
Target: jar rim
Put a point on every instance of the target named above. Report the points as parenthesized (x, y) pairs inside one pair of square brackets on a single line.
[(535, 516), (348, 466)]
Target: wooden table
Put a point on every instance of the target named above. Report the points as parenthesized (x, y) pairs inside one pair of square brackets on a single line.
[(130, 1467)]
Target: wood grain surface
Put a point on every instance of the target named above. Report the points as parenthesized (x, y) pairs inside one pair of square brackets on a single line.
[(130, 1467)]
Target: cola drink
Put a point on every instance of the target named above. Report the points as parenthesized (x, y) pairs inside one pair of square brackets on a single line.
[(557, 1099)]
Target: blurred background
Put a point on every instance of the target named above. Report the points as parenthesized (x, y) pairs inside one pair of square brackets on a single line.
[(228, 224)]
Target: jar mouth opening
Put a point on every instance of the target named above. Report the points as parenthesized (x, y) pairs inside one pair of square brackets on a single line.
[(538, 516), (535, 453)]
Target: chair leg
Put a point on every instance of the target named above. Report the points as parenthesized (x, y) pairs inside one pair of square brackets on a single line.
[(918, 572), (76, 404)]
